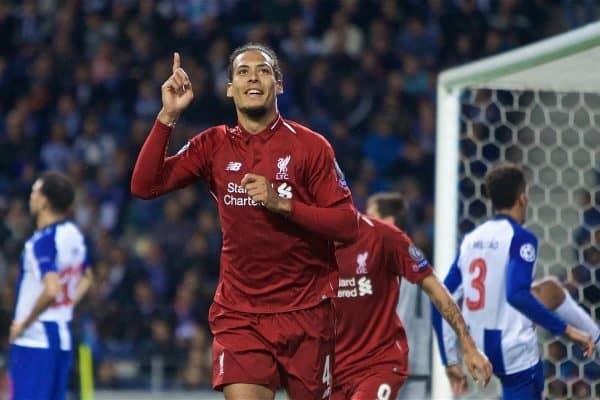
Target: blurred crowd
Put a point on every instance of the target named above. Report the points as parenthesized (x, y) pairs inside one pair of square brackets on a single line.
[(80, 88)]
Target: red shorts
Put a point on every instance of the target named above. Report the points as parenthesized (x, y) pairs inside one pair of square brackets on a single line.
[(377, 382), (293, 350)]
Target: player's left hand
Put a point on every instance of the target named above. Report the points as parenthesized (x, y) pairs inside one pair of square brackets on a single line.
[(261, 191), (478, 365), (16, 329), (457, 378), (583, 339)]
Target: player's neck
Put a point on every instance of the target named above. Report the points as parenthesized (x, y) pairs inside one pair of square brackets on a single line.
[(47, 218), (515, 213), (256, 125), (389, 219)]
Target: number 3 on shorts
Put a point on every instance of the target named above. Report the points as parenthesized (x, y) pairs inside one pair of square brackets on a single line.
[(326, 373), (384, 392)]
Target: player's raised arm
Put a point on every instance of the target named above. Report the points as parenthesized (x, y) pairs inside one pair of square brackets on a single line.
[(154, 173), (477, 363), (177, 93)]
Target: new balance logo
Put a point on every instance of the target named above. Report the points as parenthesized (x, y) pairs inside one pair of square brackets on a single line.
[(233, 166)]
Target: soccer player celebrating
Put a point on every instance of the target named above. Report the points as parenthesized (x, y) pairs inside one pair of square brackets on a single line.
[(282, 202), (54, 276), (371, 347), (493, 274)]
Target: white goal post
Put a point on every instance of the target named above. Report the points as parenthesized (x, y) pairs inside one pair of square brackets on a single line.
[(565, 63)]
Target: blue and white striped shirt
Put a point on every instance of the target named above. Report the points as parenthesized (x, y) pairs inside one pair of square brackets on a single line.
[(492, 275), (59, 248)]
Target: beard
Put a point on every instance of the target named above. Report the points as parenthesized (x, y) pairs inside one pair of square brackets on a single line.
[(255, 112)]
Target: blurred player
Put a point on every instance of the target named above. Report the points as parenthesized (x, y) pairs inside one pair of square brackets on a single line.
[(493, 274), (371, 347), (54, 276), (282, 202)]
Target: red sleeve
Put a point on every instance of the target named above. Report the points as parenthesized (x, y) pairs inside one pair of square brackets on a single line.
[(333, 216), (406, 259), (155, 174)]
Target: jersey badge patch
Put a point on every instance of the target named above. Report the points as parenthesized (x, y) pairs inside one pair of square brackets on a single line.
[(418, 257), (361, 260), (282, 164), (527, 252), (340, 175)]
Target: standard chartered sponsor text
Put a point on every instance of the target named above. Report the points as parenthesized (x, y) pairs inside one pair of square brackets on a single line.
[(236, 196)]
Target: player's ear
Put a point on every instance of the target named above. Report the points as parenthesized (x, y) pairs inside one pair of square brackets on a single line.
[(523, 199), (43, 202), (229, 90), (278, 87)]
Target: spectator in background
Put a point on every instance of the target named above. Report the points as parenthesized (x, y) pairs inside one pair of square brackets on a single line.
[(382, 146), (419, 42), (578, 13), (56, 153), (298, 45), (343, 37), (94, 147)]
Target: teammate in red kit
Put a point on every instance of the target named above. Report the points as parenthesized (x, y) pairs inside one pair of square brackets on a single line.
[(371, 348), (282, 202)]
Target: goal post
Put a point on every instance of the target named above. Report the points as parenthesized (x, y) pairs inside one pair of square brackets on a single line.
[(539, 106)]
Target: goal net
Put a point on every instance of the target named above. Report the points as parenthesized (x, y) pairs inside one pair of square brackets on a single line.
[(539, 107)]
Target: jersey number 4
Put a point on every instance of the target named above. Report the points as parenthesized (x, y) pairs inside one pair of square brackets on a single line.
[(478, 267)]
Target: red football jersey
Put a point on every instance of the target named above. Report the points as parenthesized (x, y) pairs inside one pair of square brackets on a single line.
[(371, 269), (269, 262)]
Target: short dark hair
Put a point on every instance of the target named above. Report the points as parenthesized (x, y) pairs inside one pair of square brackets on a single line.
[(389, 204), (58, 189), (504, 183), (256, 47)]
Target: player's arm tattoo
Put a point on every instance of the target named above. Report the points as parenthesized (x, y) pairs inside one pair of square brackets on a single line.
[(451, 313), (445, 304)]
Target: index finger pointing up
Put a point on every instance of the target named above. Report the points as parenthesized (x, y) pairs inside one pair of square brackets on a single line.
[(176, 61)]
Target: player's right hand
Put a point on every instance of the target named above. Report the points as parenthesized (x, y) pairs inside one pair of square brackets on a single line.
[(582, 339), (176, 92), (457, 378), (16, 329), (478, 365)]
